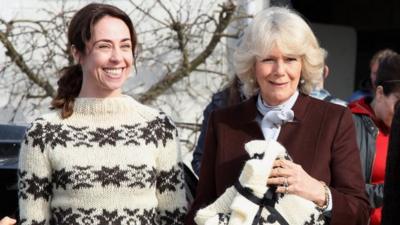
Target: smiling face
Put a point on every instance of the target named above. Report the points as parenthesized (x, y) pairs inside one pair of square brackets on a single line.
[(278, 76), (108, 59)]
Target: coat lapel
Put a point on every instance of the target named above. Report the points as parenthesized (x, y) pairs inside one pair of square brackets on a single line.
[(290, 135), (249, 124)]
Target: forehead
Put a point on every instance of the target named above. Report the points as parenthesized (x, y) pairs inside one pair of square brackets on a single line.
[(285, 46), (280, 51), (110, 28)]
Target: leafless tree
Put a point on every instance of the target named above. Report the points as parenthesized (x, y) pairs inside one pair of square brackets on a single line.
[(182, 56)]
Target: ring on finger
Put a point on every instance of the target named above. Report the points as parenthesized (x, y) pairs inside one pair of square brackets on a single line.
[(286, 189), (285, 182)]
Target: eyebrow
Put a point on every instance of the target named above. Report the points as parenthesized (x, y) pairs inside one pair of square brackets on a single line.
[(109, 41)]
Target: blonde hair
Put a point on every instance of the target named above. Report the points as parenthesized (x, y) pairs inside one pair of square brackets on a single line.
[(285, 29)]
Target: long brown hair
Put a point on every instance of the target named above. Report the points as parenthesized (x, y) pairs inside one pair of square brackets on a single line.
[(80, 32)]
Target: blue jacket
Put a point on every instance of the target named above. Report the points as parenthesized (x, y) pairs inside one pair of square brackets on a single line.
[(218, 100)]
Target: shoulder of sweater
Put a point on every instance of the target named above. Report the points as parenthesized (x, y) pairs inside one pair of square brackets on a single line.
[(37, 125), (148, 112), (144, 110), (52, 116)]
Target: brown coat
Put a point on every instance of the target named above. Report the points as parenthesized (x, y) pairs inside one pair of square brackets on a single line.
[(321, 139)]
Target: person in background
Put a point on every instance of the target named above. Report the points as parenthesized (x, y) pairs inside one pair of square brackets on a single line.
[(320, 92), (100, 157), (373, 117), (230, 95), (278, 61), (391, 198), (368, 86)]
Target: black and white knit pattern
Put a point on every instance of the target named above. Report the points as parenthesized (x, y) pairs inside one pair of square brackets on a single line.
[(114, 161)]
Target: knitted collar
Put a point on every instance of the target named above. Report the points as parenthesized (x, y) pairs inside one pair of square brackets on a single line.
[(109, 105)]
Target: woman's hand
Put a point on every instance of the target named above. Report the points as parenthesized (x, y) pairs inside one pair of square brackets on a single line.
[(290, 178), (7, 221)]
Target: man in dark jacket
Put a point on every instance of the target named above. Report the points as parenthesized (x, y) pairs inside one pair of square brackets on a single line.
[(391, 200)]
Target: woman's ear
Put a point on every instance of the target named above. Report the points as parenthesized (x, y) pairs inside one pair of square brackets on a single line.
[(379, 92), (75, 54), (325, 71)]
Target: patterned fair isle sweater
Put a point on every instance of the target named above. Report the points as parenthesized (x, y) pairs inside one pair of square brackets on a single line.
[(114, 161)]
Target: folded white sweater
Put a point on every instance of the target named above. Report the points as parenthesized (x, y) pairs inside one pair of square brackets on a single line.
[(232, 208)]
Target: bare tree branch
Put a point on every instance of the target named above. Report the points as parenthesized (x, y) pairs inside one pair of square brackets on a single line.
[(211, 71), (225, 16), (20, 62), (147, 13)]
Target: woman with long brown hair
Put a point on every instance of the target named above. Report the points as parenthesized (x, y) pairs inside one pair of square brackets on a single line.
[(100, 157)]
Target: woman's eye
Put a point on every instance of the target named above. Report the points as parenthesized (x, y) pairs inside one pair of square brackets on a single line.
[(291, 59), (126, 46), (267, 60), (104, 46)]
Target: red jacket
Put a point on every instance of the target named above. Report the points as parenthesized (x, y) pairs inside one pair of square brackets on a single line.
[(373, 151)]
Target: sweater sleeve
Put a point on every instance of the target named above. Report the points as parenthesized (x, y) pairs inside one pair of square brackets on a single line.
[(172, 204), (34, 177)]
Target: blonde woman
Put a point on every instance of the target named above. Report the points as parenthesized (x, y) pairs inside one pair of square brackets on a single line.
[(279, 62)]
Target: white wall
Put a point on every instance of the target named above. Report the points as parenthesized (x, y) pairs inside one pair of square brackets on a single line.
[(341, 44)]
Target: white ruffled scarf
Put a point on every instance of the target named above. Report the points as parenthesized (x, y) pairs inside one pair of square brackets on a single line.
[(275, 116)]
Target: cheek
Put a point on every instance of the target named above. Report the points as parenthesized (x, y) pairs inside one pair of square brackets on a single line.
[(128, 58), (295, 77), (262, 70), (385, 112), (95, 61), (388, 117), (390, 112), (296, 71)]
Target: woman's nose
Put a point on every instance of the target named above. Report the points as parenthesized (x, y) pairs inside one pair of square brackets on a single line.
[(116, 55), (279, 67)]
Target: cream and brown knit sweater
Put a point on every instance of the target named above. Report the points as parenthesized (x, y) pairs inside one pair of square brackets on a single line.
[(114, 161)]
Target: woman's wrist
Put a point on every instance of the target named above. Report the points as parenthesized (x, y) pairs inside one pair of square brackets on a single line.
[(323, 202)]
